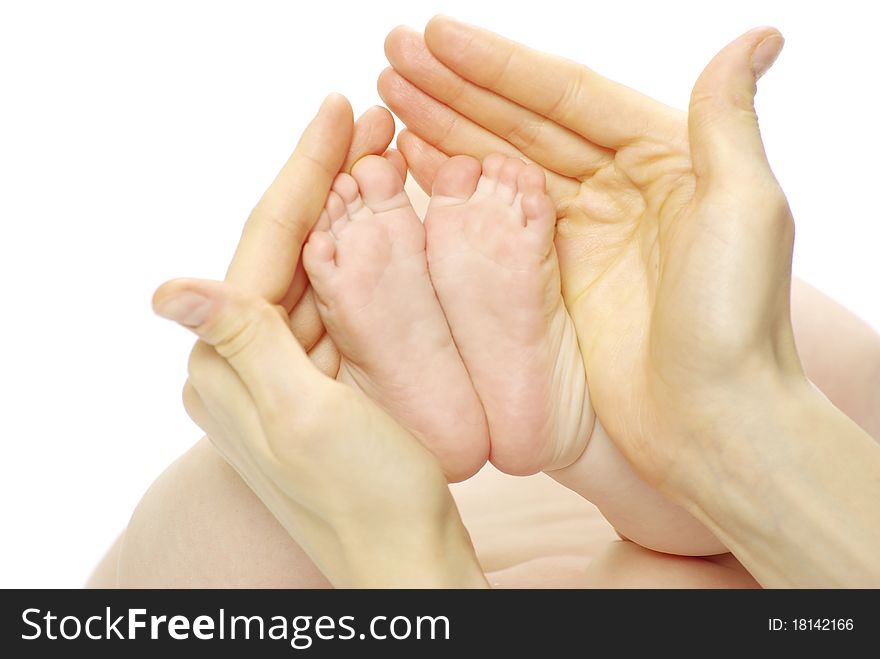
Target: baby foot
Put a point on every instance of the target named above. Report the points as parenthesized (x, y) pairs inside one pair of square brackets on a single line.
[(493, 264), (367, 265)]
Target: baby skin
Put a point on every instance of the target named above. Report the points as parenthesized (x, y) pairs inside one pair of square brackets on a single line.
[(368, 268), (458, 329)]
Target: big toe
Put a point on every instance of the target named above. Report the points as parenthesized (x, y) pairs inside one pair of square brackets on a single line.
[(380, 185), (457, 178), (531, 179)]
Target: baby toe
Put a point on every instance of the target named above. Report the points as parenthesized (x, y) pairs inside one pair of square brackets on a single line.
[(337, 213), (323, 223), (530, 178), (491, 172), (380, 185), (457, 178), (540, 216), (318, 258), (346, 187), (507, 178)]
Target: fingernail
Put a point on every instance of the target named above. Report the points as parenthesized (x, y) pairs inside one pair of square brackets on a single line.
[(766, 53), (188, 309)]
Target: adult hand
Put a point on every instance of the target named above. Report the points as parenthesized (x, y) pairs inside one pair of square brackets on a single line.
[(267, 259), (279, 422), (368, 504), (674, 238), (675, 248)]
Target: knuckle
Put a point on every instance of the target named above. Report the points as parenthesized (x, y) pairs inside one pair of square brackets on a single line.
[(778, 201), (194, 406), (318, 164), (446, 130), (241, 331), (458, 91), (524, 134), (281, 211), (708, 106), (190, 397), (770, 198), (502, 68), (569, 96), (704, 107)]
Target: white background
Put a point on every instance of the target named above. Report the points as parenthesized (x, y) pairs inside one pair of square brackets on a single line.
[(136, 136)]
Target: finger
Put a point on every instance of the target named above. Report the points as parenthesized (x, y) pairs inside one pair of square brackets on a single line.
[(725, 139), (423, 159), (214, 396), (195, 408), (325, 356), (305, 321), (373, 132), (297, 287), (605, 112), (308, 328), (273, 235), (544, 141), (247, 332), (449, 131), (220, 404)]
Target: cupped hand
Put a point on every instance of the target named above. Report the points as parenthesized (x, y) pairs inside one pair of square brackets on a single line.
[(367, 503), (673, 235), (361, 496), (267, 259)]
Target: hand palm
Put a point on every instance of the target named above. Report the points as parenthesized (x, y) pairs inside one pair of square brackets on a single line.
[(643, 254), (610, 240)]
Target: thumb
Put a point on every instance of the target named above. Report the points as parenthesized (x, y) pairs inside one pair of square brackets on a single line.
[(724, 136), (249, 333)]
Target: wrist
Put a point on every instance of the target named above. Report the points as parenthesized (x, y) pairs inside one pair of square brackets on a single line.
[(780, 487), (423, 551), (381, 549), (736, 428)]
